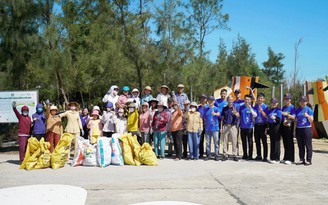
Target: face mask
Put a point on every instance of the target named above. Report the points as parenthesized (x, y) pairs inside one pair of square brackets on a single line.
[(73, 107), (39, 110), (160, 109), (131, 109), (109, 109), (193, 109), (120, 114), (25, 113), (114, 92)]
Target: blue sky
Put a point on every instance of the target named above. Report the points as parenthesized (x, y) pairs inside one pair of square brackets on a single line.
[(279, 24)]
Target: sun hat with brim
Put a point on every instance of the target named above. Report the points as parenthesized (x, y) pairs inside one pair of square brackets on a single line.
[(287, 96), (147, 88), (131, 105), (95, 113), (274, 100), (153, 100), (180, 86), (161, 104), (53, 107), (303, 98), (193, 104), (164, 86), (135, 90), (73, 103)]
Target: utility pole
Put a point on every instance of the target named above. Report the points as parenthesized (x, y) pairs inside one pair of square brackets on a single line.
[(297, 44)]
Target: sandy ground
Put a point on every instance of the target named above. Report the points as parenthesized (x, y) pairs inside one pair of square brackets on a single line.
[(203, 182)]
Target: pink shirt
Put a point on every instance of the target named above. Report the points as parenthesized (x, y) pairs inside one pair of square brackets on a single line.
[(145, 121)]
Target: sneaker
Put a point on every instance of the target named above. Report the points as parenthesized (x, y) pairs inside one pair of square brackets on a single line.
[(273, 161), (235, 159), (307, 163), (300, 163), (258, 158), (161, 158), (216, 158), (195, 159), (288, 162), (282, 161), (206, 158), (224, 158)]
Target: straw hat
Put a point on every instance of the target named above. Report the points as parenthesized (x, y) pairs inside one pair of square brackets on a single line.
[(147, 88), (164, 86), (53, 107), (77, 105)]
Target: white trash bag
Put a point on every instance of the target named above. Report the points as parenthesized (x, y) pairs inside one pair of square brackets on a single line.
[(104, 151)]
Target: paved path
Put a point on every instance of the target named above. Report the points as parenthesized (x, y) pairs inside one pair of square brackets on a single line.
[(203, 182)]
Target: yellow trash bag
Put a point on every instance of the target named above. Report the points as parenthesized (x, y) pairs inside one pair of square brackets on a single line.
[(147, 155), (61, 152), (130, 149), (37, 155)]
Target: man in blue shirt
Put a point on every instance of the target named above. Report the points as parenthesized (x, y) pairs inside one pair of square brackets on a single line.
[(181, 97), (238, 102), (221, 102), (304, 133), (211, 115), (261, 128), (246, 114), (201, 109), (229, 128), (287, 129)]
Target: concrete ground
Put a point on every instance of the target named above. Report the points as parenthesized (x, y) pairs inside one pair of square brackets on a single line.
[(203, 182)]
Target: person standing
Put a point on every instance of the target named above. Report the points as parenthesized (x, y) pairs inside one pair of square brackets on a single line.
[(24, 129), (84, 116), (194, 128), (111, 95), (54, 126), (229, 128), (133, 121), (185, 133), (163, 95), (211, 115), (147, 96), (159, 125), (145, 119), (274, 119), (247, 114), (123, 98), (39, 123), (108, 120), (181, 97), (177, 129), (260, 128), (304, 133), (201, 108), (238, 103), (287, 129)]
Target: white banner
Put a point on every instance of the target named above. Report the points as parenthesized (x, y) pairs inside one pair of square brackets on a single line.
[(28, 98)]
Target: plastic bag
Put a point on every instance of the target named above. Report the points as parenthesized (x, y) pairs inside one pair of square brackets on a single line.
[(90, 158), (117, 158), (61, 152), (147, 156), (104, 151), (131, 149), (79, 157), (37, 154)]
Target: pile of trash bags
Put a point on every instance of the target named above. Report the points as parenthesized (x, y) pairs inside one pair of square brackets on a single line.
[(117, 150), (38, 156)]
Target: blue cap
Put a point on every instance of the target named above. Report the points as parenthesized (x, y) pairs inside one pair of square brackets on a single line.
[(126, 88), (109, 105), (287, 96), (274, 100), (303, 98)]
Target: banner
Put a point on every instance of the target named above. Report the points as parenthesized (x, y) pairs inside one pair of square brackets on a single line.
[(28, 98)]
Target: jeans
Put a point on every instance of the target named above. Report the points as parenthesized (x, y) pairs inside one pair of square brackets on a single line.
[(215, 136), (177, 137), (145, 137), (193, 139), (159, 139)]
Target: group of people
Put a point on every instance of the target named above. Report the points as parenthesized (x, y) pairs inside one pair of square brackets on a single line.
[(172, 116)]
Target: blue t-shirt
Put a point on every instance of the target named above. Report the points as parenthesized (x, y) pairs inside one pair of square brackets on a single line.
[(260, 119), (220, 104), (211, 122), (246, 117), (238, 103), (290, 110), (181, 98), (201, 109), (274, 112), (302, 121)]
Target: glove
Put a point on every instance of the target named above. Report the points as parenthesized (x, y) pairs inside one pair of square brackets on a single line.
[(13, 103), (47, 102), (151, 131), (82, 132), (199, 132)]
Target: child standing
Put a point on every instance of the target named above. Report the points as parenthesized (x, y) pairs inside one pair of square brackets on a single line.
[(95, 127), (145, 119), (39, 122), (24, 129), (54, 126), (108, 119), (120, 122)]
